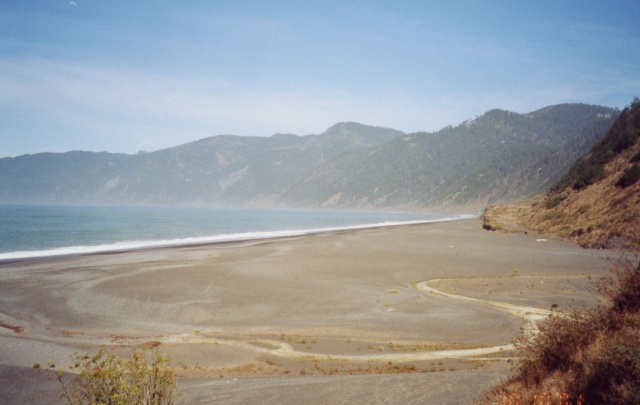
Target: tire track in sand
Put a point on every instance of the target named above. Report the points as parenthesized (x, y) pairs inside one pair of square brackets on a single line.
[(529, 314), (284, 350)]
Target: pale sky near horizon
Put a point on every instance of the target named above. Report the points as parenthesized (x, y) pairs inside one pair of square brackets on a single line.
[(122, 76)]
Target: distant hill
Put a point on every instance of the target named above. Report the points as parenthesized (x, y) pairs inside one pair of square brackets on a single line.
[(499, 156), (220, 170), (597, 203)]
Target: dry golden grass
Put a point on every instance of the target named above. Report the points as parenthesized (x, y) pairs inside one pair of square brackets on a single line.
[(326, 368), (598, 216), (589, 357), (146, 378)]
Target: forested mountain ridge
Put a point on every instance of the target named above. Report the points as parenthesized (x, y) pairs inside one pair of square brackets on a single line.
[(498, 156), (597, 202), (217, 170)]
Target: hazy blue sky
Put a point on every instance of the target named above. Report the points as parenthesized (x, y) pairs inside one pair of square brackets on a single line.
[(122, 76)]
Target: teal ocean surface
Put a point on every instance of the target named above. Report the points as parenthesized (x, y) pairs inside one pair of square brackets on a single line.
[(37, 231)]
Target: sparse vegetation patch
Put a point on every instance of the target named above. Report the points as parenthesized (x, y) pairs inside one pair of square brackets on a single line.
[(555, 201), (591, 357), (106, 379), (629, 177)]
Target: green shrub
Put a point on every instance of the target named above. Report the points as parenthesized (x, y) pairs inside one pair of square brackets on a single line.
[(588, 176), (105, 379), (623, 134)]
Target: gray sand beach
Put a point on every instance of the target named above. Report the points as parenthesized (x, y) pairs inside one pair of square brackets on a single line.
[(327, 318)]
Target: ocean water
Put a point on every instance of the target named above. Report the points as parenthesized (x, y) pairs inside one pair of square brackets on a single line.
[(37, 231)]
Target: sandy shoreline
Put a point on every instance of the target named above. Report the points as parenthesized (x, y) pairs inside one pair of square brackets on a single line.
[(203, 241), (236, 309)]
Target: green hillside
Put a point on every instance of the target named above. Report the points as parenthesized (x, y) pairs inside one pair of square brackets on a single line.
[(596, 203), (589, 356), (496, 157), (499, 156), (219, 170)]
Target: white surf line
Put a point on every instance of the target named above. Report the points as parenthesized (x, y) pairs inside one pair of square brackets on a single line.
[(135, 245)]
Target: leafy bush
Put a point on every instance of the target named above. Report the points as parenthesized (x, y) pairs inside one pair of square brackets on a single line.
[(554, 347), (623, 289), (615, 371), (588, 176), (105, 379)]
